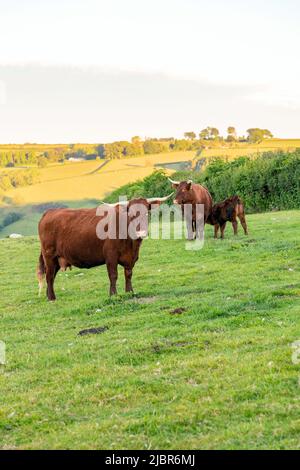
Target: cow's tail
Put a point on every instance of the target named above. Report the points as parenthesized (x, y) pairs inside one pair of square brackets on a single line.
[(41, 270)]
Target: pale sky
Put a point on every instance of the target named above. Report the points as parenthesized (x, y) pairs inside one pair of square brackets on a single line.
[(96, 71)]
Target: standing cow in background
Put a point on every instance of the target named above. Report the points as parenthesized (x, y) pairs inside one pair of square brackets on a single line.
[(70, 237), (228, 211), (188, 192)]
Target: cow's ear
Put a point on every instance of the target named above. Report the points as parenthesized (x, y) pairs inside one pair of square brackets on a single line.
[(189, 185)]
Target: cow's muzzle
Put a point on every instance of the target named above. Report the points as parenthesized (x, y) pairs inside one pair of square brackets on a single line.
[(142, 234)]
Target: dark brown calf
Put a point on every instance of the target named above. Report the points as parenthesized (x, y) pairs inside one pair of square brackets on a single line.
[(228, 211)]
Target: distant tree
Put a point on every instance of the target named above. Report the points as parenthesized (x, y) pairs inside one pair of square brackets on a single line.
[(256, 135), (204, 134), (31, 157), (181, 144), (232, 136), (115, 150), (190, 135), (131, 150), (5, 182), (3, 159), (100, 149), (214, 133), (209, 133), (136, 146), (152, 146)]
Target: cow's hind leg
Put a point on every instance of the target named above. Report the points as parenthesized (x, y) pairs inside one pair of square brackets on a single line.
[(40, 272), (112, 269), (128, 276), (216, 230), (243, 222), (52, 268)]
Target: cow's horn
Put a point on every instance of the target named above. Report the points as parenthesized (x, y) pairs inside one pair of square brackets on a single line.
[(189, 181), (159, 199), (173, 182), (120, 203)]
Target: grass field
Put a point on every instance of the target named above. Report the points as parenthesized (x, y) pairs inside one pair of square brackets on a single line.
[(217, 376)]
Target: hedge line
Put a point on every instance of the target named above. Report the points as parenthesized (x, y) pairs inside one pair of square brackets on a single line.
[(270, 181)]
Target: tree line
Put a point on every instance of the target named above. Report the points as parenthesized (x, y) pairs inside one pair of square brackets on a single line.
[(254, 135), (16, 178), (36, 158), (210, 136)]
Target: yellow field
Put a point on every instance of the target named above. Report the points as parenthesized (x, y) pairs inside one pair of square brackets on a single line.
[(280, 144), (242, 149), (78, 181)]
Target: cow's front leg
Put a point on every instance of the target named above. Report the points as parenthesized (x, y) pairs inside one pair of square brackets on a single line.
[(194, 224), (235, 227), (190, 232), (128, 276), (112, 269), (243, 222)]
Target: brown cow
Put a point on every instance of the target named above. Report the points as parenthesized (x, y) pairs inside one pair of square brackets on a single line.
[(228, 211), (69, 238), (188, 192)]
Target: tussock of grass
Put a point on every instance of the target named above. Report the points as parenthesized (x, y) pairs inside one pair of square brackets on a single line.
[(217, 375)]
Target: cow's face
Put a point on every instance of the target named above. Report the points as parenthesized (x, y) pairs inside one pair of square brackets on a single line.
[(183, 192), (138, 212)]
